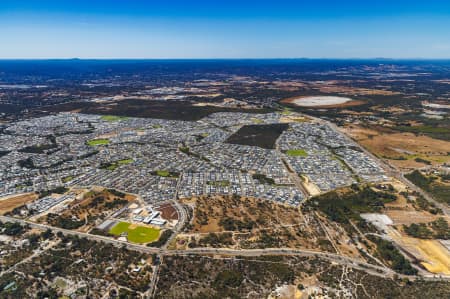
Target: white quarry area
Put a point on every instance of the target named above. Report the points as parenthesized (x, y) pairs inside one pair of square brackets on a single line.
[(314, 101)]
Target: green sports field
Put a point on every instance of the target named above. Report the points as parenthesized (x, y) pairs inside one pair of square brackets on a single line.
[(218, 183), (112, 118), (296, 153), (95, 142), (138, 234), (163, 173)]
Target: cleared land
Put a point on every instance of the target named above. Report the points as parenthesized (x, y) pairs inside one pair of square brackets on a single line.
[(403, 216), (135, 233), (432, 255), (168, 212), (402, 149), (222, 213), (263, 136), (10, 203), (438, 254)]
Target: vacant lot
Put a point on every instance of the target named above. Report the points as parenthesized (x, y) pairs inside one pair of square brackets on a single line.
[(263, 136), (224, 213), (400, 217), (10, 203), (403, 150), (168, 211), (432, 254), (135, 233), (438, 132), (242, 222)]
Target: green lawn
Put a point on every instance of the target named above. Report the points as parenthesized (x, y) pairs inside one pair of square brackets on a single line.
[(296, 153), (113, 165), (218, 183), (164, 173), (124, 161), (95, 142), (110, 167), (112, 118), (67, 179), (139, 234)]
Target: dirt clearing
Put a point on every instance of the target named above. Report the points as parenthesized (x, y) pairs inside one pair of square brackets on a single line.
[(433, 255), (8, 204), (402, 149)]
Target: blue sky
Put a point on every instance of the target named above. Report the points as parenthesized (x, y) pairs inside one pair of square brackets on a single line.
[(224, 29)]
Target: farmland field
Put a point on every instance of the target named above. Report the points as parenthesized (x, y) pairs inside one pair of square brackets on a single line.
[(136, 233)]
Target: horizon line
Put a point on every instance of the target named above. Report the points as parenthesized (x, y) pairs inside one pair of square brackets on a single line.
[(224, 58)]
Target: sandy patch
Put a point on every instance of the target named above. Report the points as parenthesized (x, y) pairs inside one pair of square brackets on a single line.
[(439, 257), (400, 217), (434, 256), (285, 292), (381, 221), (310, 187)]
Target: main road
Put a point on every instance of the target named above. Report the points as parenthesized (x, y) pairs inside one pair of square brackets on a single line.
[(333, 258)]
